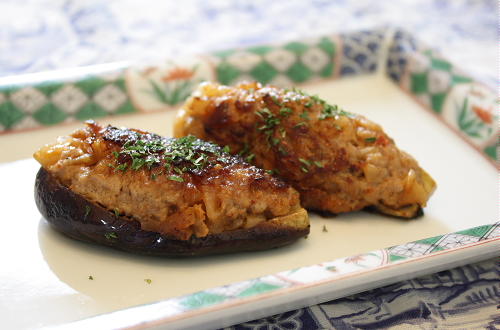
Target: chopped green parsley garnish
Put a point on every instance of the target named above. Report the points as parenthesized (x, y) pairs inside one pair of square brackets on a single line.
[(276, 100), (87, 211), (270, 122), (282, 132), (245, 149), (137, 163), (328, 111), (116, 212), (250, 158), (305, 162), (176, 178), (273, 171), (264, 111), (91, 277), (319, 164), (331, 111), (246, 154), (282, 150), (148, 280), (111, 235), (122, 167), (186, 154), (285, 111), (304, 115), (371, 139)]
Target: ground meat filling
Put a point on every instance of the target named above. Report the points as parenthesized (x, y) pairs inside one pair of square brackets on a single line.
[(178, 187), (338, 161)]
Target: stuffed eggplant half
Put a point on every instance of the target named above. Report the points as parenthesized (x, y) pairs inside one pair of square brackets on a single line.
[(338, 161), (139, 192)]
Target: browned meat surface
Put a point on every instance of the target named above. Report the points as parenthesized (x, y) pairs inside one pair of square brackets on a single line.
[(178, 187), (338, 161)]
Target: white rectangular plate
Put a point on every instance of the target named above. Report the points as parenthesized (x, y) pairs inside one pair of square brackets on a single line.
[(44, 279)]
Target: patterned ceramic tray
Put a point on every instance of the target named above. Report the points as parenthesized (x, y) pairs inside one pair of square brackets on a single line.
[(385, 73)]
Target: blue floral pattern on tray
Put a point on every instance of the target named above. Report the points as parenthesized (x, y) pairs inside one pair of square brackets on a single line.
[(360, 51), (428, 302)]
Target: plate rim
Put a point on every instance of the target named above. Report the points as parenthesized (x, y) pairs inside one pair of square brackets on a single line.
[(477, 251)]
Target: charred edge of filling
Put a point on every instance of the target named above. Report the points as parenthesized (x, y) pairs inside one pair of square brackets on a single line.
[(83, 220), (147, 150), (120, 136)]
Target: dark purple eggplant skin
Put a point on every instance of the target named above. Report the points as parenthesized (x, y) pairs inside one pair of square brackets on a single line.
[(81, 219)]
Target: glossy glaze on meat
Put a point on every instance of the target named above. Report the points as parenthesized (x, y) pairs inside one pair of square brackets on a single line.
[(338, 161), (181, 188)]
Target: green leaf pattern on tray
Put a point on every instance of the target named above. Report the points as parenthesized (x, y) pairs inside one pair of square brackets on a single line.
[(473, 120), (332, 269), (283, 65), (202, 299), (329, 270), (442, 88), (54, 102), (432, 80), (175, 87)]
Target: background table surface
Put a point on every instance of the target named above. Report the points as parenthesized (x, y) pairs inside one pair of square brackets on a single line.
[(40, 35)]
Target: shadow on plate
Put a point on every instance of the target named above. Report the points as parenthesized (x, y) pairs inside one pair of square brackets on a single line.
[(124, 279), (118, 279)]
